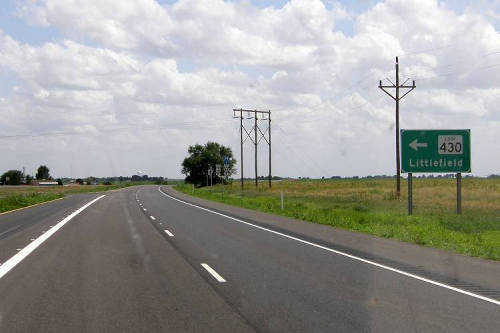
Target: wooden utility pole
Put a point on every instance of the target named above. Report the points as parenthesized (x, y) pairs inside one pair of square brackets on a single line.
[(241, 146), (269, 135), (255, 142), (397, 98)]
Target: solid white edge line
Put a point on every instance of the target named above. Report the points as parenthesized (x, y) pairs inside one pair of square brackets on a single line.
[(213, 273), (169, 233), (21, 255), (394, 270)]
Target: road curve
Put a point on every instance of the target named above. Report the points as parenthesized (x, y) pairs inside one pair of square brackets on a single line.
[(138, 260)]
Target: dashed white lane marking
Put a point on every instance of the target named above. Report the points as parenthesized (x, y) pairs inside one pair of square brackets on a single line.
[(32, 239), (18, 249), (169, 233), (394, 270), (213, 273), (21, 255), (144, 209), (152, 217)]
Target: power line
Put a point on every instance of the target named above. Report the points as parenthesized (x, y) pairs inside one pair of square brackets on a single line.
[(103, 131)]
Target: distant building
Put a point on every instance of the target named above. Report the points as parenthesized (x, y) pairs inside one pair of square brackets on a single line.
[(43, 182)]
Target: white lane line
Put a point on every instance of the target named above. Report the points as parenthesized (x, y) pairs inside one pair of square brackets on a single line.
[(144, 209), (394, 270), (152, 217), (169, 233), (214, 273), (18, 257)]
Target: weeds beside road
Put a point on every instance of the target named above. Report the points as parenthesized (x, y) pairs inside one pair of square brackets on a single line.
[(15, 197), (370, 206)]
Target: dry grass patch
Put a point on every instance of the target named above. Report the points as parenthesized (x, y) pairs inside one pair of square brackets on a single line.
[(371, 206)]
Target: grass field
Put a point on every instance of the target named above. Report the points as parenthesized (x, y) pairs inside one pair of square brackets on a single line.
[(370, 206), (14, 197)]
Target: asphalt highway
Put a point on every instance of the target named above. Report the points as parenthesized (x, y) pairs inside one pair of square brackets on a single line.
[(140, 260)]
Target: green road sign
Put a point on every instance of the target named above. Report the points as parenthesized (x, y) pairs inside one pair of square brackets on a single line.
[(435, 150)]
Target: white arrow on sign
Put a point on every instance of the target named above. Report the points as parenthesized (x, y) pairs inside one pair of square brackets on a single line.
[(415, 144)]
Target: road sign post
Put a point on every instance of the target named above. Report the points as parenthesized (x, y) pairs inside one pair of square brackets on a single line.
[(410, 193), (459, 193), (210, 172), (226, 168), (436, 151)]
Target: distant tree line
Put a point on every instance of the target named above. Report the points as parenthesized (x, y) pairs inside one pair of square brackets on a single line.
[(17, 177)]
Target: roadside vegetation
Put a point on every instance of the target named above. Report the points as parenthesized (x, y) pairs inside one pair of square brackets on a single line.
[(14, 197), (370, 206)]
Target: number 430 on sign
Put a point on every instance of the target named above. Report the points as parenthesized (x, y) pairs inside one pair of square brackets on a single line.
[(450, 144)]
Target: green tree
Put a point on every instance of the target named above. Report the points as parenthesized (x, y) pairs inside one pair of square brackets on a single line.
[(196, 165), (42, 172), (12, 177), (29, 179)]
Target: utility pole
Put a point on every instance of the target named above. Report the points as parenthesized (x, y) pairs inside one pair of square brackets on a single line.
[(258, 135), (397, 98), (241, 146), (256, 142), (269, 135)]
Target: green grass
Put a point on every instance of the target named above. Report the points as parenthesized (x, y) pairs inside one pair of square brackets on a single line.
[(14, 197), (369, 206), (15, 201)]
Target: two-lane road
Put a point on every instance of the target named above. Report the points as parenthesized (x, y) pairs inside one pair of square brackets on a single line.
[(139, 260)]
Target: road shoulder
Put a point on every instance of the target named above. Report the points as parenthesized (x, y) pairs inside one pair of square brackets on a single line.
[(467, 272)]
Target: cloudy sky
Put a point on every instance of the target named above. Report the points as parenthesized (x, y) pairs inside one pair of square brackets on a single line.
[(109, 87)]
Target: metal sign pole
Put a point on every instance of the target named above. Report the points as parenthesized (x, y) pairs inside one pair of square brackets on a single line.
[(410, 193), (282, 201), (459, 193)]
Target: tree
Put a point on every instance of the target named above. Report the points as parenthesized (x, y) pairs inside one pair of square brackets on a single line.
[(42, 172), (12, 177), (196, 165), (29, 179)]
